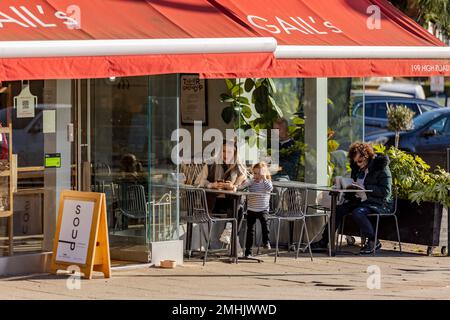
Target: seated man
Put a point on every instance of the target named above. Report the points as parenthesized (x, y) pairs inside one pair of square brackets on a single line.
[(371, 171)]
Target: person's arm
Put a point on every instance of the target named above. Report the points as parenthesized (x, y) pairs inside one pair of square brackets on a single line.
[(268, 185), (202, 180), (383, 186), (245, 184)]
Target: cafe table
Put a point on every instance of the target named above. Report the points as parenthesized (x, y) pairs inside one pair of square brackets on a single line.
[(334, 193), (236, 197)]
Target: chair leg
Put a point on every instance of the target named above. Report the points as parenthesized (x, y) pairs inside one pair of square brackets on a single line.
[(245, 237), (329, 236), (190, 227), (341, 234), (376, 235), (278, 238), (257, 242), (235, 225), (398, 233), (210, 225), (307, 239), (300, 239)]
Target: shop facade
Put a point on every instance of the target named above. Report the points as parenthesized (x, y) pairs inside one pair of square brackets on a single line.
[(107, 109)]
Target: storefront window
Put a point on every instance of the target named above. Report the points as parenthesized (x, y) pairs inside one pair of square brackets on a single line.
[(345, 120), (132, 122), (40, 131)]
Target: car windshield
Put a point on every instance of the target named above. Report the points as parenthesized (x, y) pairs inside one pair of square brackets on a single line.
[(425, 118)]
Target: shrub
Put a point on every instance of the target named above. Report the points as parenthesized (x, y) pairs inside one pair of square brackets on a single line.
[(399, 119)]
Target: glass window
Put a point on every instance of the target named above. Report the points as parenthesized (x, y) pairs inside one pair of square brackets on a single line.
[(425, 118), (411, 106), (425, 107), (369, 110), (442, 126), (380, 111), (132, 122)]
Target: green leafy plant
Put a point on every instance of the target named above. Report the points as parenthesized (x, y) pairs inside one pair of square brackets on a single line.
[(413, 180), (251, 104), (399, 119)]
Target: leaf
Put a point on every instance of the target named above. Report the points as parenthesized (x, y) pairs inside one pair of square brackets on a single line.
[(228, 114), (237, 91), (275, 106), (249, 84), (261, 103), (271, 85), (243, 100), (330, 102), (246, 112), (333, 145), (225, 97), (298, 121), (230, 83), (259, 82)]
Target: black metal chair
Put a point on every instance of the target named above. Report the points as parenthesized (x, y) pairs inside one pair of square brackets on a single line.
[(132, 203), (292, 209), (198, 213), (391, 214)]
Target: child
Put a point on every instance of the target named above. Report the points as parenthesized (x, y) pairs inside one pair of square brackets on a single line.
[(258, 205)]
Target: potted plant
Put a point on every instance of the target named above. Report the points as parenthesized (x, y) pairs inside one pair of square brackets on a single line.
[(423, 201), (399, 119), (424, 198)]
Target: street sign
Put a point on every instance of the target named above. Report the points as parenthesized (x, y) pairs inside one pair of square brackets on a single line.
[(437, 84)]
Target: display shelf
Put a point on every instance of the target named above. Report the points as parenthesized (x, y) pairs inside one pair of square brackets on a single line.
[(7, 175)]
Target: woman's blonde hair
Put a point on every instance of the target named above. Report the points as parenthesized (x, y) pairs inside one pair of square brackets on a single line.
[(263, 166)]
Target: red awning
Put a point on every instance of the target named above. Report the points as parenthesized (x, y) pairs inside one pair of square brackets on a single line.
[(31, 32), (340, 25), (23, 24)]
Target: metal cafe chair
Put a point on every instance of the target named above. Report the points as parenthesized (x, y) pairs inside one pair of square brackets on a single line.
[(292, 208), (324, 212), (392, 214), (132, 202), (198, 213)]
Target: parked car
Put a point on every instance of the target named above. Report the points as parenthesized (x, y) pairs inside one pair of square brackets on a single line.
[(429, 138), (375, 111), (412, 89)]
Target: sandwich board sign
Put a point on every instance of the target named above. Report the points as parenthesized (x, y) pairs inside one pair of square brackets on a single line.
[(81, 237)]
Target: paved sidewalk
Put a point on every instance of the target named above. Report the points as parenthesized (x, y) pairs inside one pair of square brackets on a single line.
[(406, 276)]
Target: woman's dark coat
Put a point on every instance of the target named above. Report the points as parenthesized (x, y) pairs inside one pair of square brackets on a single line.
[(379, 180)]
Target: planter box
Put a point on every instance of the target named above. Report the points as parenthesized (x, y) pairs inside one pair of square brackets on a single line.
[(424, 224)]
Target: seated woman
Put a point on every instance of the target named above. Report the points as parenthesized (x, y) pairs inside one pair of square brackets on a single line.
[(371, 171), (226, 173)]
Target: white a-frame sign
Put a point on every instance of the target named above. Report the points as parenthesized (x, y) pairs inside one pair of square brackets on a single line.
[(81, 237)]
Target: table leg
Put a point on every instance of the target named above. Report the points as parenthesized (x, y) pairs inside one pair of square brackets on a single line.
[(332, 240), (189, 238), (234, 232)]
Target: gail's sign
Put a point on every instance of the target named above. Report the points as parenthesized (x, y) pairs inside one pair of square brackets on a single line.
[(81, 237), (29, 16), (305, 25)]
